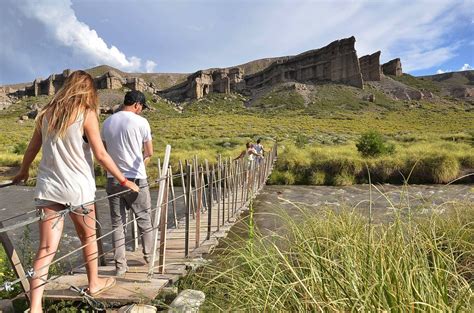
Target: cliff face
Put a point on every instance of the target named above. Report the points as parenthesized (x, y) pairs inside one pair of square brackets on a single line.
[(336, 62)]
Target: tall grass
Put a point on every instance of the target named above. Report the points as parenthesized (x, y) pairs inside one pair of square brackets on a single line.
[(341, 262), (428, 162)]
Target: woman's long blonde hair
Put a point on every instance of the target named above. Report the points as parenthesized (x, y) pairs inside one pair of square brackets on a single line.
[(76, 96)]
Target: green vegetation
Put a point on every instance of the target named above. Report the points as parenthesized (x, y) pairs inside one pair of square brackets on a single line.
[(328, 119), (343, 262), (372, 144), (422, 162), (418, 83)]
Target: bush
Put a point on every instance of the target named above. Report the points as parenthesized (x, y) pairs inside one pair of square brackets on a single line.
[(20, 148), (317, 178), (281, 178), (372, 144)]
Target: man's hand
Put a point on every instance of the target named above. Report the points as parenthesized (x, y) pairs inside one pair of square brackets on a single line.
[(146, 160)]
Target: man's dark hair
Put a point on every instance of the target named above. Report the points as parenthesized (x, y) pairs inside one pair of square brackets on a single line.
[(134, 96), (258, 140)]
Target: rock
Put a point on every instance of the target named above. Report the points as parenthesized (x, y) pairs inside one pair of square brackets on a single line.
[(137, 308), (24, 117), (462, 92), (20, 121), (187, 301), (415, 94), (370, 98), (6, 306), (226, 144), (32, 114)]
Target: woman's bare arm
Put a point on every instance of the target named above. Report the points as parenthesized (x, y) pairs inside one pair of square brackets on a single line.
[(33, 148), (91, 129)]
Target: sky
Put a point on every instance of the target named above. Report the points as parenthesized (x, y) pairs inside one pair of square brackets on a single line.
[(41, 37)]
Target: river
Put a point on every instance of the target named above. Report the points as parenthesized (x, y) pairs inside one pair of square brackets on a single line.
[(385, 200)]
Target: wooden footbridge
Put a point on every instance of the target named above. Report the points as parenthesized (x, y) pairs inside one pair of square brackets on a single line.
[(186, 228)]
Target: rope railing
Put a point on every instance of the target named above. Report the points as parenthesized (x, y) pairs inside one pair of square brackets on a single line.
[(234, 180)]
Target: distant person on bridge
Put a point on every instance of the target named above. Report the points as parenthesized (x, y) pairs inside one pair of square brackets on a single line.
[(127, 137), (67, 131), (260, 150), (248, 154)]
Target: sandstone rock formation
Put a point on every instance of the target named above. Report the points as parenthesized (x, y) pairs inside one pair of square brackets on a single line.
[(109, 80), (393, 67), (370, 67), (336, 62), (204, 82)]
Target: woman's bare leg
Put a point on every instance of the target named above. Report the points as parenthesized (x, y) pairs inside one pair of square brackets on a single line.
[(85, 228), (49, 241)]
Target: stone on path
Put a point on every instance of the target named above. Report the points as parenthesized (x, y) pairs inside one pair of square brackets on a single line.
[(188, 300)]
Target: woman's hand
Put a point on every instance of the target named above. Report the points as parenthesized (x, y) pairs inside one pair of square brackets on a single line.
[(21, 176)]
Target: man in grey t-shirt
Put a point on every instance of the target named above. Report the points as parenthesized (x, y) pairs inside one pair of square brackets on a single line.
[(127, 137)]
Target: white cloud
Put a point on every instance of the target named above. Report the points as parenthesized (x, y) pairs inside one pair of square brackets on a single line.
[(466, 67), (419, 32), (440, 71), (150, 66), (61, 22)]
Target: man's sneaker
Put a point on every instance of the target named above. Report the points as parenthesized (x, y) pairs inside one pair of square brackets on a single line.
[(120, 272)]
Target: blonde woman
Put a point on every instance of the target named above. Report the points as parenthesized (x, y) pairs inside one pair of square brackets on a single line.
[(67, 130)]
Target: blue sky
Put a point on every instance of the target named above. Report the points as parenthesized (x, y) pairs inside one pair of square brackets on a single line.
[(43, 37)]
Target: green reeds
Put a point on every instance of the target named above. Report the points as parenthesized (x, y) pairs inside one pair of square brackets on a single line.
[(342, 262)]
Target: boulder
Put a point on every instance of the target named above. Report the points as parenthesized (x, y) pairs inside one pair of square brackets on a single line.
[(187, 301)]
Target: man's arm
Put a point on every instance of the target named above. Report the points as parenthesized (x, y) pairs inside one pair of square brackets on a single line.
[(148, 151)]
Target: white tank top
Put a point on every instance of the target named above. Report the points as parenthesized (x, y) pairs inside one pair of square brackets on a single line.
[(66, 170)]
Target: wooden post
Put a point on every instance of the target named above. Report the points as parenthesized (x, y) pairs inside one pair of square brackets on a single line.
[(163, 230), (173, 197), (15, 261), (196, 178), (190, 196), (236, 187), (224, 185), (208, 174), (219, 193), (188, 210), (183, 184), (198, 207), (209, 205), (232, 187), (156, 221)]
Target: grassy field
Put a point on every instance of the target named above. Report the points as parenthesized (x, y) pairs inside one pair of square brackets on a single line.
[(342, 262), (319, 126)]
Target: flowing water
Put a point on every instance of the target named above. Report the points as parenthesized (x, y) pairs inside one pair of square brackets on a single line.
[(382, 201)]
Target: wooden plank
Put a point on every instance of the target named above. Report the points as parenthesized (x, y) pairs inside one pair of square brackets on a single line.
[(127, 289), (14, 261)]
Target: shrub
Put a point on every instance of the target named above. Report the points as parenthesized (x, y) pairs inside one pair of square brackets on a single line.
[(317, 178), (372, 144), (281, 178), (20, 148), (301, 141), (343, 179)]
